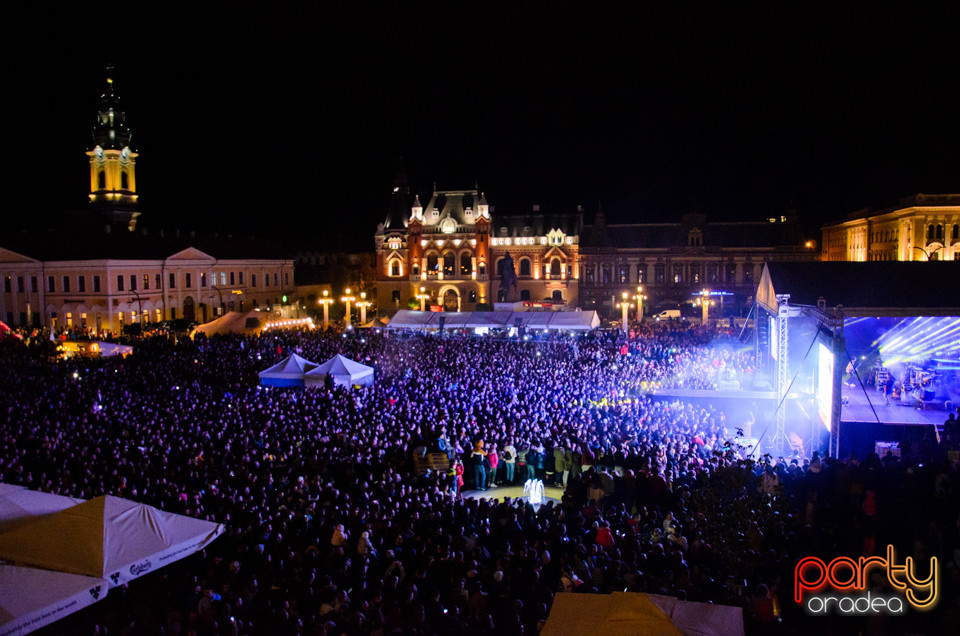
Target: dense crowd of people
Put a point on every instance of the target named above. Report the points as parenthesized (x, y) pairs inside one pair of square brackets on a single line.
[(331, 530)]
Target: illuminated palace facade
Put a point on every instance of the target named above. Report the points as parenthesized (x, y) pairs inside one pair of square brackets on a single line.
[(674, 261), (96, 270), (923, 227), (451, 252)]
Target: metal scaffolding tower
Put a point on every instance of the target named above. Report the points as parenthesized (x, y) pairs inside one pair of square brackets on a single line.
[(783, 373)]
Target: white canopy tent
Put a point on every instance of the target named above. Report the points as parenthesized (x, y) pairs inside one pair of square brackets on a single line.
[(344, 371), (234, 322), (623, 613), (31, 598), (19, 505), (287, 372), (107, 537), (62, 554), (51, 595), (561, 320)]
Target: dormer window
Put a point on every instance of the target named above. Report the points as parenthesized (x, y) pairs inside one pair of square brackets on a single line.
[(435, 214), (695, 238), (555, 237), (394, 243), (449, 226)]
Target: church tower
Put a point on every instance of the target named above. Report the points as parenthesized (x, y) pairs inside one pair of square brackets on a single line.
[(113, 183)]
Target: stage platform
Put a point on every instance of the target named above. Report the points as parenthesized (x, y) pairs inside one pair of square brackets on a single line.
[(553, 493), (858, 410)]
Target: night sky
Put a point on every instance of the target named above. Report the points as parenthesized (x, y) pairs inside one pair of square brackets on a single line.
[(291, 121)]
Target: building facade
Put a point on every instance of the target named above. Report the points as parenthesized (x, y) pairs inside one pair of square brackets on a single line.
[(674, 262), (452, 253), (923, 227), (95, 270), (103, 293)]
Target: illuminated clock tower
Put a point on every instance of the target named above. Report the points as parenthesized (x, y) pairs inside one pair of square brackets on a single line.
[(113, 182)]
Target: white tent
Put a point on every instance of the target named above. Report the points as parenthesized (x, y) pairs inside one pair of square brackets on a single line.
[(287, 372), (344, 371), (31, 598), (409, 319), (233, 322), (623, 613), (574, 320), (107, 537), (19, 505), (563, 320)]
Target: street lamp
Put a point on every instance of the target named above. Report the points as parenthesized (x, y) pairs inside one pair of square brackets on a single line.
[(348, 298), (624, 307), (423, 296), (639, 298), (220, 293), (705, 305), (363, 304), (325, 301), (929, 255), (139, 304)]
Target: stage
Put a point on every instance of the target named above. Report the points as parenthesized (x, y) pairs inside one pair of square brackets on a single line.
[(857, 409), (550, 493)]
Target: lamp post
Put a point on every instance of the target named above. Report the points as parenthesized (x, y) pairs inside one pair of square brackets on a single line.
[(423, 296), (926, 253), (639, 298), (624, 308), (363, 304), (347, 298), (140, 306), (325, 301), (220, 293)]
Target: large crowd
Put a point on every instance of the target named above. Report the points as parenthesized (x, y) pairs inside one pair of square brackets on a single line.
[(331, 530)]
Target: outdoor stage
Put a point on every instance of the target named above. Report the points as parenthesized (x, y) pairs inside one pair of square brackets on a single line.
[(871, 409), (550, 493)]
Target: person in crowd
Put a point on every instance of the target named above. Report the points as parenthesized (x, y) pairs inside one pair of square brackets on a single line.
[(509, 458), (478, 457), (493, 462)]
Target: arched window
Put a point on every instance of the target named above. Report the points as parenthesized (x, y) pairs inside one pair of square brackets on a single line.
[(939, 231), (449, 262), (102, 180), (432, 262), (395, 268), (930, 232), (466, 264), (956, 231), (525, 267), (555, 267), (483, 269), (124, 181), (416, 269)]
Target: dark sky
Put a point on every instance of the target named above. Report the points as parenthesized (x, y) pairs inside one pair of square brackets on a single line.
[(255, 116)]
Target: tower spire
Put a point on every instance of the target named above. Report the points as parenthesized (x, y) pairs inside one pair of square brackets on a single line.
[(113, 184)]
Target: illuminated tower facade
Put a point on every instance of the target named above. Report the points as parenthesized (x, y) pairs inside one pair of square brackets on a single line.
[(113, 181)]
